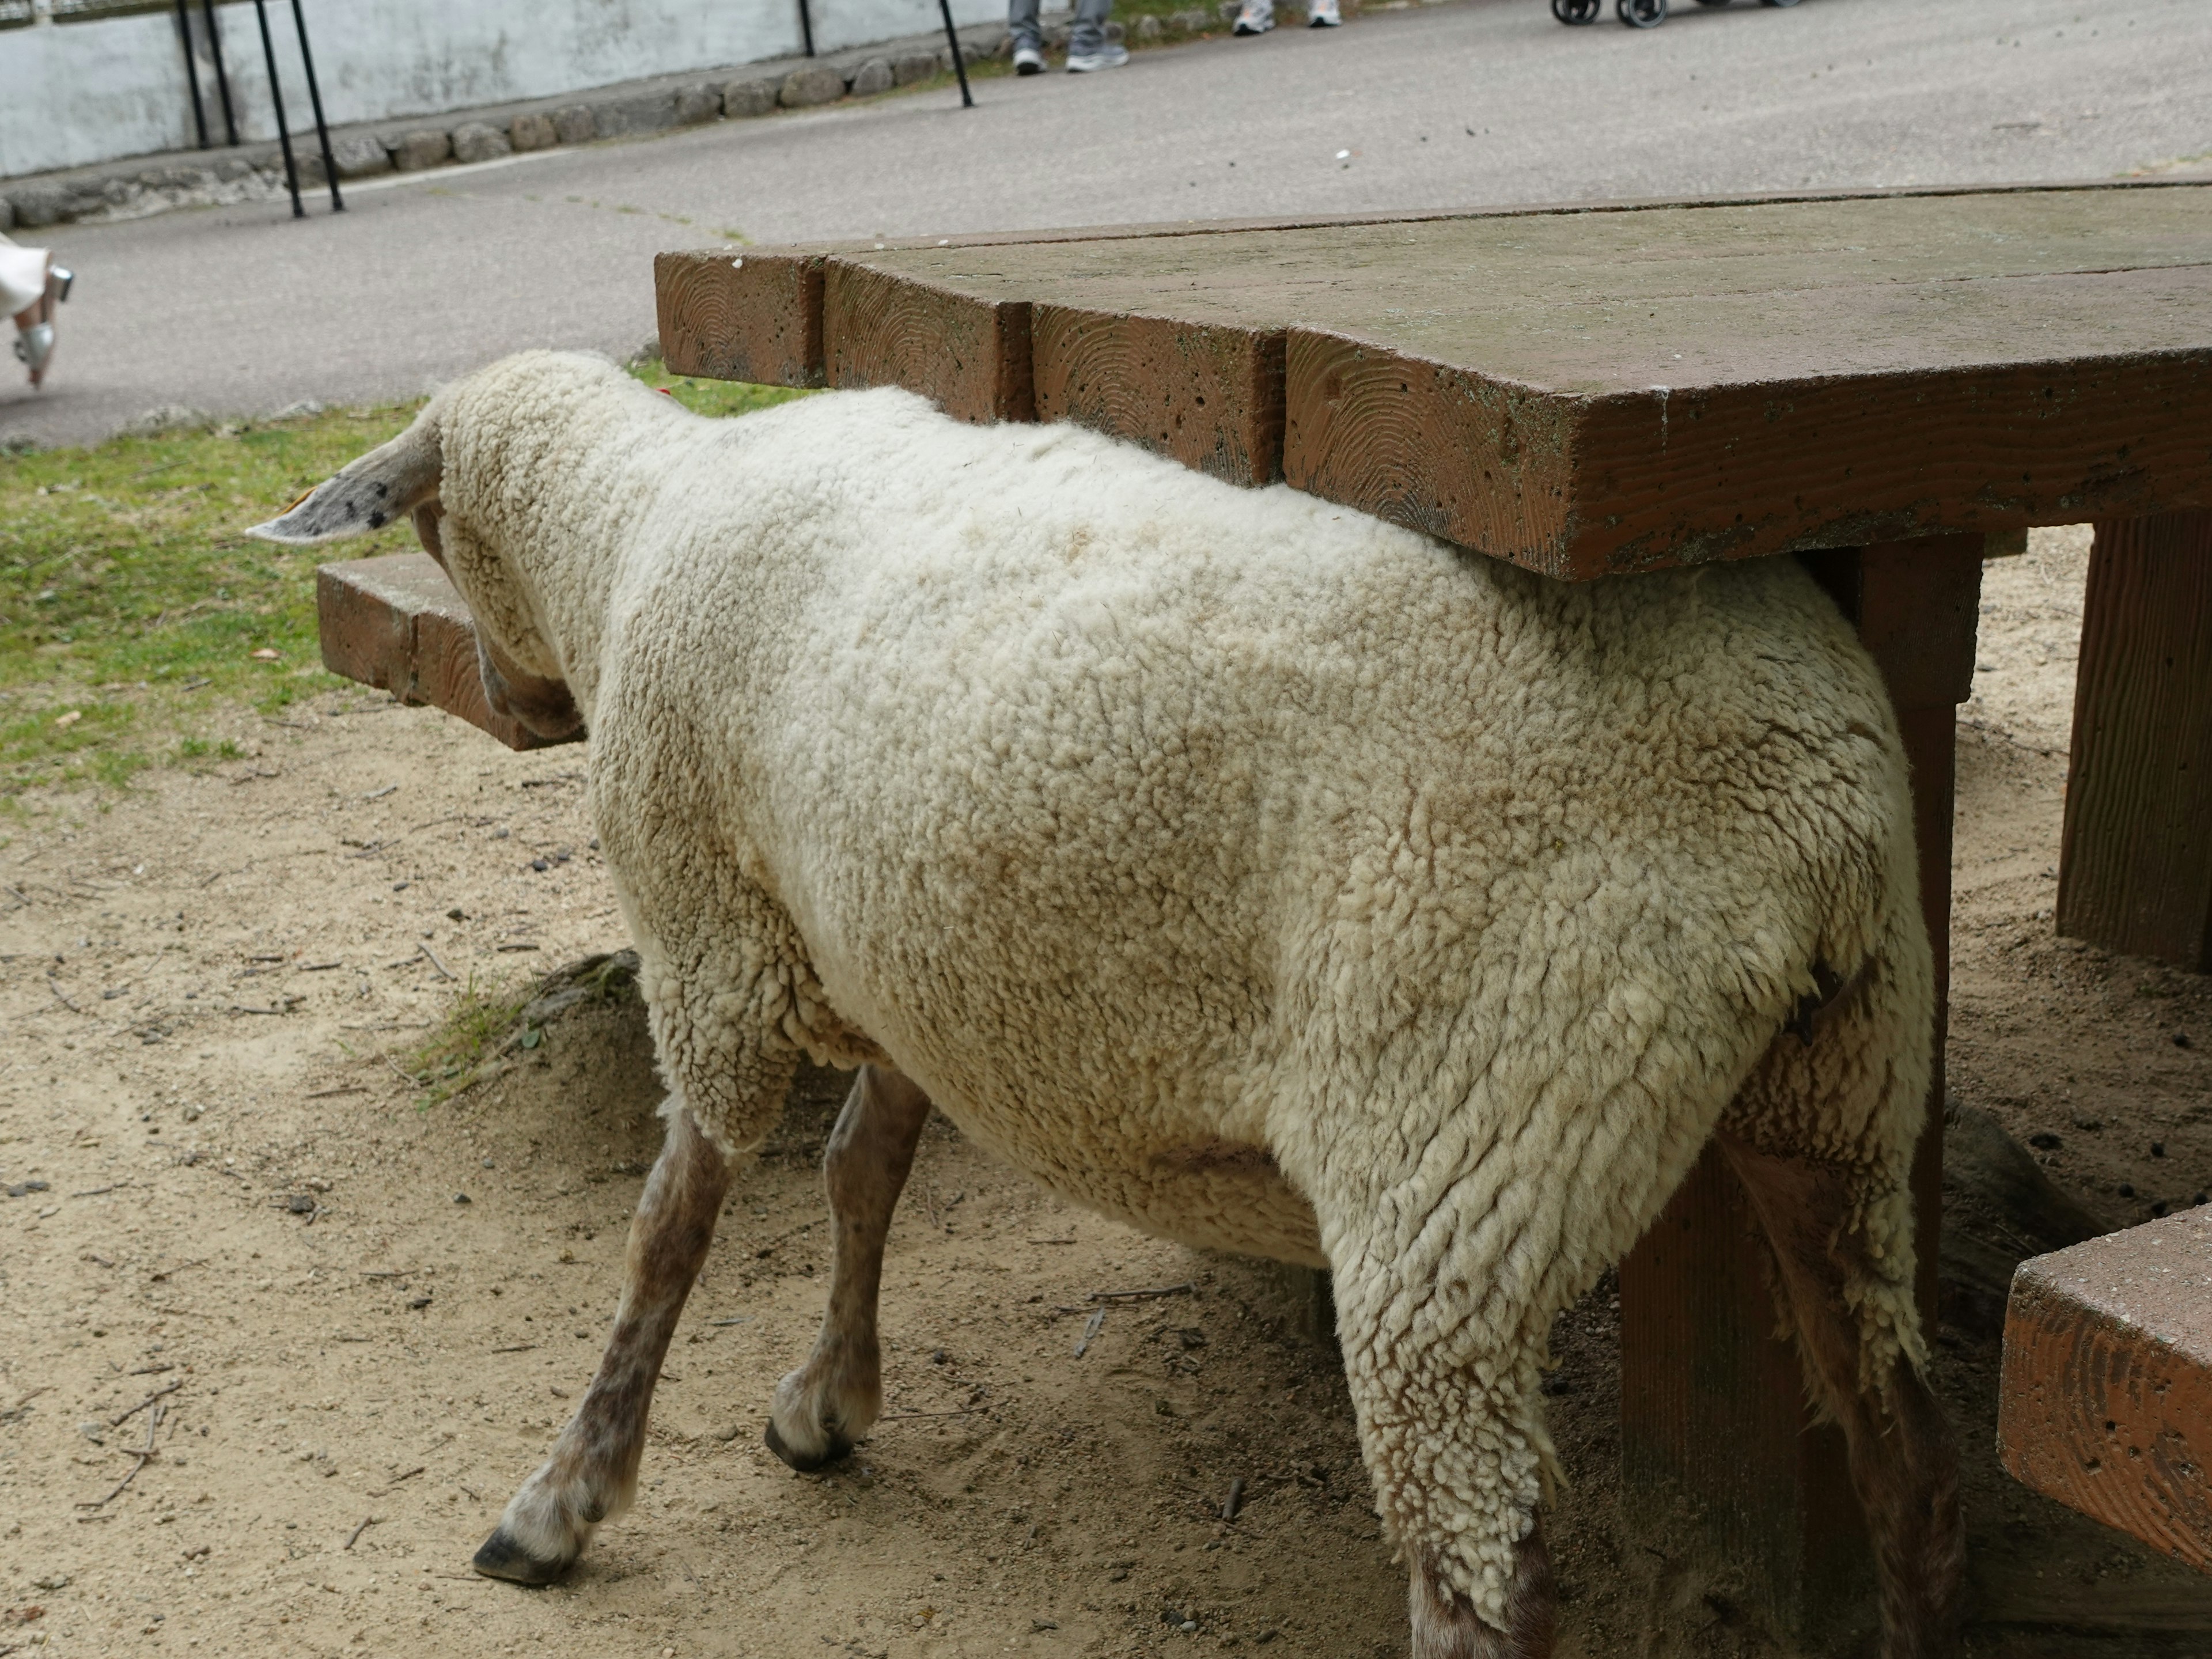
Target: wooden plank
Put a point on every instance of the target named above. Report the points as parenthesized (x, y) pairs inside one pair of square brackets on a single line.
[(2106, 1402), (1624, 388), (1206, 395), (2135, 873), (1715, 1422), (969, 353), (1718, 1449), (741, 316), (396, 624)]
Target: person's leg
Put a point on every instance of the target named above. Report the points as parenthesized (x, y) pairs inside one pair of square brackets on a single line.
[(1088, 32), (34, 326), (1029, 39)]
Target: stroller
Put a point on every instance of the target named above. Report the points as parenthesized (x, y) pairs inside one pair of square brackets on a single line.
[(1636, 14)]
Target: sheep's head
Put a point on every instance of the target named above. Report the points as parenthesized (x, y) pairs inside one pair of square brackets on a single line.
[(402, 480)]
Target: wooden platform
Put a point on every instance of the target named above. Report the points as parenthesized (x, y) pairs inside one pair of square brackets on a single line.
[(2106, 1401), (397, 623), (1580, 390)]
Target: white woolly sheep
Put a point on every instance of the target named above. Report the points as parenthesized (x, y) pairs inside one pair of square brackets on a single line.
[(1268, 877)]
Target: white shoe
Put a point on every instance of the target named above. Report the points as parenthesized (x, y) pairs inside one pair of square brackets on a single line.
[(1107, 54), (1027, 60), (1323, 15), (1255, 17), (33, 346)]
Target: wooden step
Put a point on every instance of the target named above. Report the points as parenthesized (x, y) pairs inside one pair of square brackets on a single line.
[(2106, 1400), (397, 623)]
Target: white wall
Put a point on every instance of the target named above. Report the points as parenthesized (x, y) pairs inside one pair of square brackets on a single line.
[(72, 93)]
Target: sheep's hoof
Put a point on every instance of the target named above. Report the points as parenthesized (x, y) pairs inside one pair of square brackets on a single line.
[(838, 1447), (501, 1557)]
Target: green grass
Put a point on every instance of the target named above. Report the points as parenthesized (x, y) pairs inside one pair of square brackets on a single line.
[(136, 618)]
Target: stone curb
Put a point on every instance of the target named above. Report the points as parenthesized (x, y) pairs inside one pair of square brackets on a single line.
[(147, 185)]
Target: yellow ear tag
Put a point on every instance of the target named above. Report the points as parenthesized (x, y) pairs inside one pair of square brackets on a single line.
[(301, 496)]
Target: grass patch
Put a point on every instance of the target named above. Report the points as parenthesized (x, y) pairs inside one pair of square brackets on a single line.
[(491, 1028), (136, 618)]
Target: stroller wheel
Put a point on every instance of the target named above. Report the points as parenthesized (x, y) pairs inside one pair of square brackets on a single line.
[(1577, 11), (1642, 14)]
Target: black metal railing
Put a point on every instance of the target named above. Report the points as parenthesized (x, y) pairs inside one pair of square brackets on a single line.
[(213, 33)]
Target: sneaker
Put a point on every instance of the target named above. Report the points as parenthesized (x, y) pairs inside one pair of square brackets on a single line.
[(1027, 60), (1107, 54), (1255, 17), (1323, 15)]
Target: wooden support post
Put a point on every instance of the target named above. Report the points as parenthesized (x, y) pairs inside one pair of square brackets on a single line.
[(2135, 873), (1717, 1440)]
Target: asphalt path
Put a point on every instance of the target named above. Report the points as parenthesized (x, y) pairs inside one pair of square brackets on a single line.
[(243, 311)]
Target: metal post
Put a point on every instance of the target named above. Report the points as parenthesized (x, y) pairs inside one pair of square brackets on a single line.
[(959, 67), (276, 98), (192, 69), (806, 27), (315, 97), (222, 74)]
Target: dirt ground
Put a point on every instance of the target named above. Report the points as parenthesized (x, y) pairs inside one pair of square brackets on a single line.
[(364, 1319)]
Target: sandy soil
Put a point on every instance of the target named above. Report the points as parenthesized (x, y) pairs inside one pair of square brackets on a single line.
[(370, 1316)]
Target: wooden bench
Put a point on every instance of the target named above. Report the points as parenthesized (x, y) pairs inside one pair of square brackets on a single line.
[(1889, 387), (2107, 1400)]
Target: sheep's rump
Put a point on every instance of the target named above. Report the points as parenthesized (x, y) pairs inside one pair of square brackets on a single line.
[(1168, 833)]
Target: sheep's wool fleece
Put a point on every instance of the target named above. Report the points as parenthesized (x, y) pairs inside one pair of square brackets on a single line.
[(1271, 876)]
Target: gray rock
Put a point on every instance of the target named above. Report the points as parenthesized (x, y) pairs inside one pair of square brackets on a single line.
[(698, 104), (872, 77), (817, 84), (575, 124), (360, 156), (914, 66), (232, 168), (744, 98), (1150, 28), (477, 141), (528, 132), (639, 112), (1194, 22), (7, 213), (169, 417), (43, 204), (411, 152)]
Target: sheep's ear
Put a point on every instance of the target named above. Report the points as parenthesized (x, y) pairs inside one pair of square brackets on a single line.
[(383, 487)]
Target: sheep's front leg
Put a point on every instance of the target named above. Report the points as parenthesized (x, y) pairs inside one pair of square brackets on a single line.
[(594, 1468), (832, 1401)]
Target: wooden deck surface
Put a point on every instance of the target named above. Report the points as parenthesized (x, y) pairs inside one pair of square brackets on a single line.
[(1580, 391)]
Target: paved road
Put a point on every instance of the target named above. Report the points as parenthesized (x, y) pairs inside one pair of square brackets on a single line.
[(240, 310)]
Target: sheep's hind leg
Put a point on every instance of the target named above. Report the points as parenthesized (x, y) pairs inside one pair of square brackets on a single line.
[(1444, 1387), (594, 1468), (1902, 1464), (832, 1401)]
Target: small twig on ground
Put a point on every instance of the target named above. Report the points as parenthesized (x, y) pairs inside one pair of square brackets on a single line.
[(379, 794), (1236, 1500), (1050, 1241), (15, 1411), (111, 1187), (117, 1422), (197, 1261), (443, 971), (367, 1521), (1187, 1288), (63, 995), (1092, 1327), (343, 1089), (149, 1370), (144, 1457), (964, 1411), (406, 1078), (519, 1347), (397, 1478)]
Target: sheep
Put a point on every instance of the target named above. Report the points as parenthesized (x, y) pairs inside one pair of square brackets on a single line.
[(1268, 877)]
